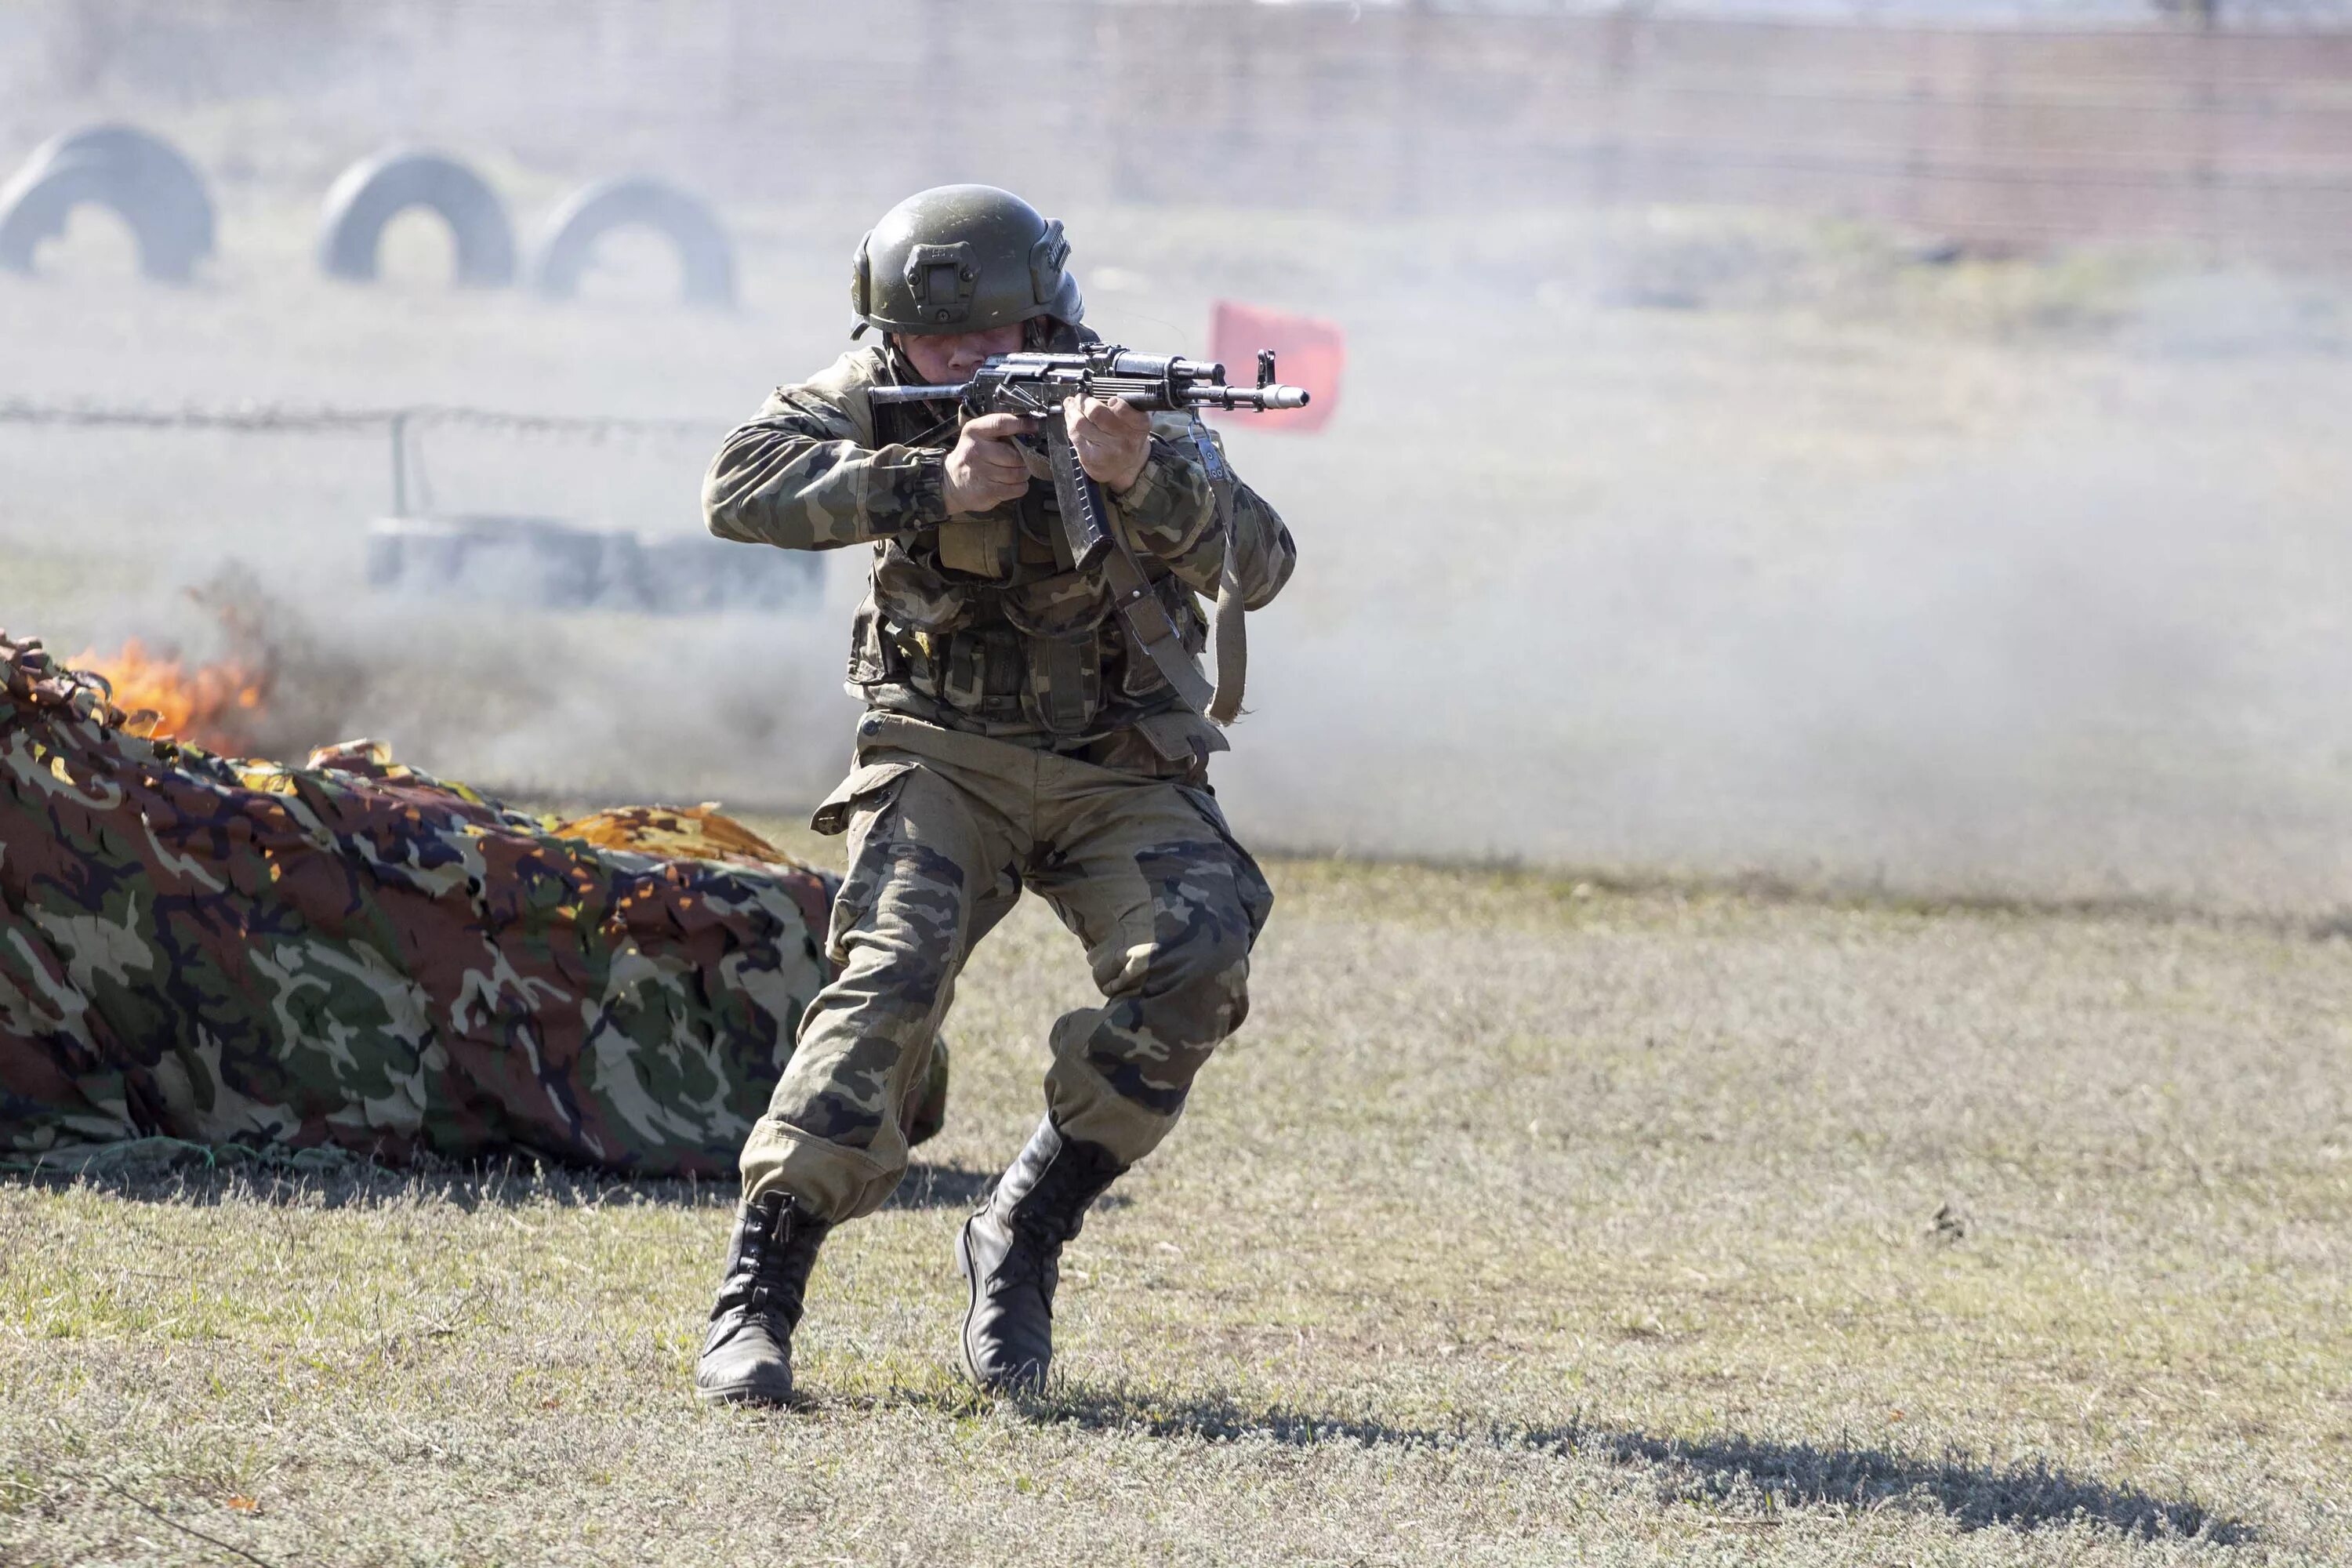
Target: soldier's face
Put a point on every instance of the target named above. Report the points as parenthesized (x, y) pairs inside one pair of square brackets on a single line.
[(953, 356)]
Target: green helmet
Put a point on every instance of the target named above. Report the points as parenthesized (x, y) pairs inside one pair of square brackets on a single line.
[(961, 259)]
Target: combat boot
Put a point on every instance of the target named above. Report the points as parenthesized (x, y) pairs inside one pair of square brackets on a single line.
[(1010, 1252), (747, 1355)]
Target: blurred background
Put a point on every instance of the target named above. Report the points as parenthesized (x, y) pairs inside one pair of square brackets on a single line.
[(1895, 447)]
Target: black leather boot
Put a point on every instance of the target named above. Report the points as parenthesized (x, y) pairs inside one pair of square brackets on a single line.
[(1010, 1252), (747, 1356)]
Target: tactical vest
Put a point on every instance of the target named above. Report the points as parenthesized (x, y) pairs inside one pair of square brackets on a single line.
[(985, 616)]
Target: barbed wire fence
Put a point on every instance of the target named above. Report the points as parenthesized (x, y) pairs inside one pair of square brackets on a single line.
[(396, 425), (323, 419)]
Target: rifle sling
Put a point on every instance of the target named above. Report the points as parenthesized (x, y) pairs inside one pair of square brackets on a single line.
[(1228, 622), (1139, 607)]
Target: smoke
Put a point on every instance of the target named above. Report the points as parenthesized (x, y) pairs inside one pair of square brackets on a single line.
[(729, 708), (1861, 603), (567, 707), (2063, 674), (1654, 540)]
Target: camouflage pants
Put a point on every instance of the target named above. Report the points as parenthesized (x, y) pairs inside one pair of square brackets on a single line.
[(946, 829)]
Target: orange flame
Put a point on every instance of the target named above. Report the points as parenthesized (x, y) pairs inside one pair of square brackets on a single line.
[(204, 706)]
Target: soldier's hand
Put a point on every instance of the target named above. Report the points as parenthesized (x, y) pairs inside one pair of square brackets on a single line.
[(1112, 436), (986, 470)]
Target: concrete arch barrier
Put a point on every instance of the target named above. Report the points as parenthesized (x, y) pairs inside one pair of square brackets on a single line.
[(706, 255), (373, 192), (139, 176)]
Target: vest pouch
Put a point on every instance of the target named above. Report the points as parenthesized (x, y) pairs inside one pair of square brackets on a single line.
[(872, 660), (1066, 605), (984, 546), (980, 672), (910, 590), (1065, 687)]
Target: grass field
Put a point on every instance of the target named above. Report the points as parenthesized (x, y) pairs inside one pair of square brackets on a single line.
[(1526, 1222)]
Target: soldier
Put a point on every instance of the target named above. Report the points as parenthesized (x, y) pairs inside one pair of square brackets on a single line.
[(1015, 736)]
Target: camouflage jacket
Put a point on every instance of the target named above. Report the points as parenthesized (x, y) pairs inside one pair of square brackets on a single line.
[(978, 623)]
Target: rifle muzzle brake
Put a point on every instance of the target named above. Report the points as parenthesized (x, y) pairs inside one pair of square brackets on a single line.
[(1257, 397)]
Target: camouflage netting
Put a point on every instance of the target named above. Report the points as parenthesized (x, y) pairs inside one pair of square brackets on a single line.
[(354, 955)]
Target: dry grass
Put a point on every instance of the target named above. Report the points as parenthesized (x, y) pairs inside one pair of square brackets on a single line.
[(1520, 1226)]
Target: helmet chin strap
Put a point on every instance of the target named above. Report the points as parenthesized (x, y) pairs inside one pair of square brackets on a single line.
[(900, 364)]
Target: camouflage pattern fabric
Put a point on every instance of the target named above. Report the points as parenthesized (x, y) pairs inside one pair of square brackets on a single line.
[(946, 829), (980, 623), (355, 955)]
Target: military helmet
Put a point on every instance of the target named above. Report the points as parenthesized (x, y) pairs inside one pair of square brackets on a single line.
[(961, 259)]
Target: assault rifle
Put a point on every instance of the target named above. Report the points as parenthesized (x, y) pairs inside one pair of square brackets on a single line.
[(1037, 386)]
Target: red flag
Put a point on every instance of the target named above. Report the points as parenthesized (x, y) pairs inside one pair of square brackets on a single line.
[(1307, 353)]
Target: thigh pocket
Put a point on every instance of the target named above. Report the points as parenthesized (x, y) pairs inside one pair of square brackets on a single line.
[(868, 787), (862, 805)]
